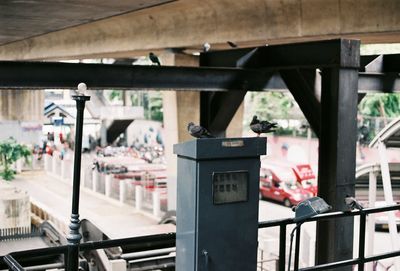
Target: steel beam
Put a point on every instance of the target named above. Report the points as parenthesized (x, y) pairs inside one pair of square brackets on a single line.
[(316, 54), (40, 75), (217, 110), (33, 75), (381, 63), (378, 82)]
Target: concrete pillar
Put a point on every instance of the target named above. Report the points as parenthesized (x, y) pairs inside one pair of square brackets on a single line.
[(138, 197), (20, 109), (156, 203), (95, 180), (122, 191), (108, 184), (180, 108), (47, 163), (63, 169), (54, 163), (118, 265)]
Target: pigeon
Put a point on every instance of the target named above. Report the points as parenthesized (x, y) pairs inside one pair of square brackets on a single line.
[(206, 47), (154, 59), (352, 203), (260, 127), (232, 44), (198, 132)]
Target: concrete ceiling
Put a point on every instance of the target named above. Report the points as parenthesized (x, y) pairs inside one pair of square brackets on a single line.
[(23, 19)]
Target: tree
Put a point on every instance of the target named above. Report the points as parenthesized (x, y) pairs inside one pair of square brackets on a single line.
[(380, 105), (10, 152)]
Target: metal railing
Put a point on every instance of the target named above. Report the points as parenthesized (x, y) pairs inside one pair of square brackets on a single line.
[(360, 261), (168, 240)]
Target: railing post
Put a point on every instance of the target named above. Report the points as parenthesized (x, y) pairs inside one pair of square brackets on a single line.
[(282, 247), (138, 197), (361, 241), (108, 184), (156, 203), (122, 191), (297, 248), (74, 237)]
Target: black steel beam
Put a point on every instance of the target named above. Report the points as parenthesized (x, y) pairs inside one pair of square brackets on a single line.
[(391, 63), (378, 82), (39, 75), (380, 63), (301, 85), (217, 110), (316, 54), (32, 75), (337, 154)]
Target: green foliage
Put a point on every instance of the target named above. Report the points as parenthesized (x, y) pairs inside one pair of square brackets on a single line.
[(272, 105), (380, 105), (10, 152), (155, 107), (152, 103), (115, 95)]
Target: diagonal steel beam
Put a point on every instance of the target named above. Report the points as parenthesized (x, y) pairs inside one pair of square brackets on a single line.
[(301, 85)]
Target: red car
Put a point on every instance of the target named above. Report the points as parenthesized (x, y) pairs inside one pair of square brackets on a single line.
[(279, 183)]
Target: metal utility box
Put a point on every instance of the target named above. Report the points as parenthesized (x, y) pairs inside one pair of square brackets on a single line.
[(217, 203)]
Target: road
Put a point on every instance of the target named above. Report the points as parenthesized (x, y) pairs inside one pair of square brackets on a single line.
[(269, 238)]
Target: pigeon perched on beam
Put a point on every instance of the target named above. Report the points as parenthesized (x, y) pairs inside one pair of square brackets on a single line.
[(262, 127), (154, 59), (232, 44), (206, 47), (198, 131)]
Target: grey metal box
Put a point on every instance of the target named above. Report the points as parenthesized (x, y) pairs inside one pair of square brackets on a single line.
[(217, 203)]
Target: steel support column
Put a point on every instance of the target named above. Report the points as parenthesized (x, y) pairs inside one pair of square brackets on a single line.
[(337, 154)]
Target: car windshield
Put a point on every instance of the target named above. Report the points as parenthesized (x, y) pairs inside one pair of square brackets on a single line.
[(292, 185)]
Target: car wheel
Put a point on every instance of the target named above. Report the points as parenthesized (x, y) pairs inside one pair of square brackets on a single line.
[(287, 203)]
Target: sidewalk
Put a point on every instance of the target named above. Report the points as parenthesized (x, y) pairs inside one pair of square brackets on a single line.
[(114, 219)]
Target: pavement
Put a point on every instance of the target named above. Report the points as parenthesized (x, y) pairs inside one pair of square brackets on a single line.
[(116, 220)]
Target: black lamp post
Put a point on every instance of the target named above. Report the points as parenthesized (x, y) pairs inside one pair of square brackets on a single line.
[(74, 237)]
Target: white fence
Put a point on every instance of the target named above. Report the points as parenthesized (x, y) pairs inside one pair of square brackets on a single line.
[(150, 200)]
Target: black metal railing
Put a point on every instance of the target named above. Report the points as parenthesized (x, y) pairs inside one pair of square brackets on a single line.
[(360, 261), (168, 240)]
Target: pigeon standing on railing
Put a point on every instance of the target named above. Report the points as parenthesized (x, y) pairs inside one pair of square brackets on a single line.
[(260, 127), (352, 203), (198, 132)]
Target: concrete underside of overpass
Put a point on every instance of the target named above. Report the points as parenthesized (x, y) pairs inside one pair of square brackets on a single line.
[(187, 24)]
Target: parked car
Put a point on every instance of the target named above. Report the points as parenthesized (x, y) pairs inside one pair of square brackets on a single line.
[(279, 183)]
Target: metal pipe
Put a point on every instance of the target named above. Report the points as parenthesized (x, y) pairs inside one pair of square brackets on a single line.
[(361, 242), (74, 237), (282, 247), (297, 248), (12, 263)]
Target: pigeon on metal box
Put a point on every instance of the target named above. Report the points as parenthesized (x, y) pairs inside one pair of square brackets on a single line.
[(198, 132), (260, 127)]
